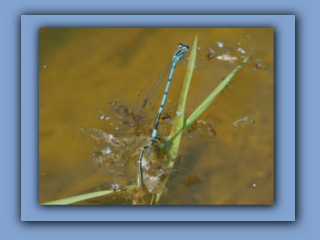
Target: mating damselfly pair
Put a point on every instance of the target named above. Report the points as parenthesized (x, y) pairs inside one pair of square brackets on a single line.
[(146, 150), (115, 154)]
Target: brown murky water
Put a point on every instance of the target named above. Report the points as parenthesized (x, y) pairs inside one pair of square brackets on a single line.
[(228, 154)]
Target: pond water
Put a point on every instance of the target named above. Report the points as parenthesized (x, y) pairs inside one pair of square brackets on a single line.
[(88, 77)]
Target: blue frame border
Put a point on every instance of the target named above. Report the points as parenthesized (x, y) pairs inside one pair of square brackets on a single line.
[(284, 207)]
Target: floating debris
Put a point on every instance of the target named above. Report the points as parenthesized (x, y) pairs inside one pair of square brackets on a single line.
[(257, 66), (104, 116), (243, 121), (210, 54), (115, 186), (220, 44), (241, 50), (226, 57), (211, 130)]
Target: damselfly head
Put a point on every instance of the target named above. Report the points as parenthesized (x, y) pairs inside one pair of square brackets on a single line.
[(183, 47)]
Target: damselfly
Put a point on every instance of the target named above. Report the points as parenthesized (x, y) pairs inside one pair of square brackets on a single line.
[(146, 150)]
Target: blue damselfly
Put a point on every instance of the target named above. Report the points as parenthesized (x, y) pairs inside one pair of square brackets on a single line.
[(146, 150)]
